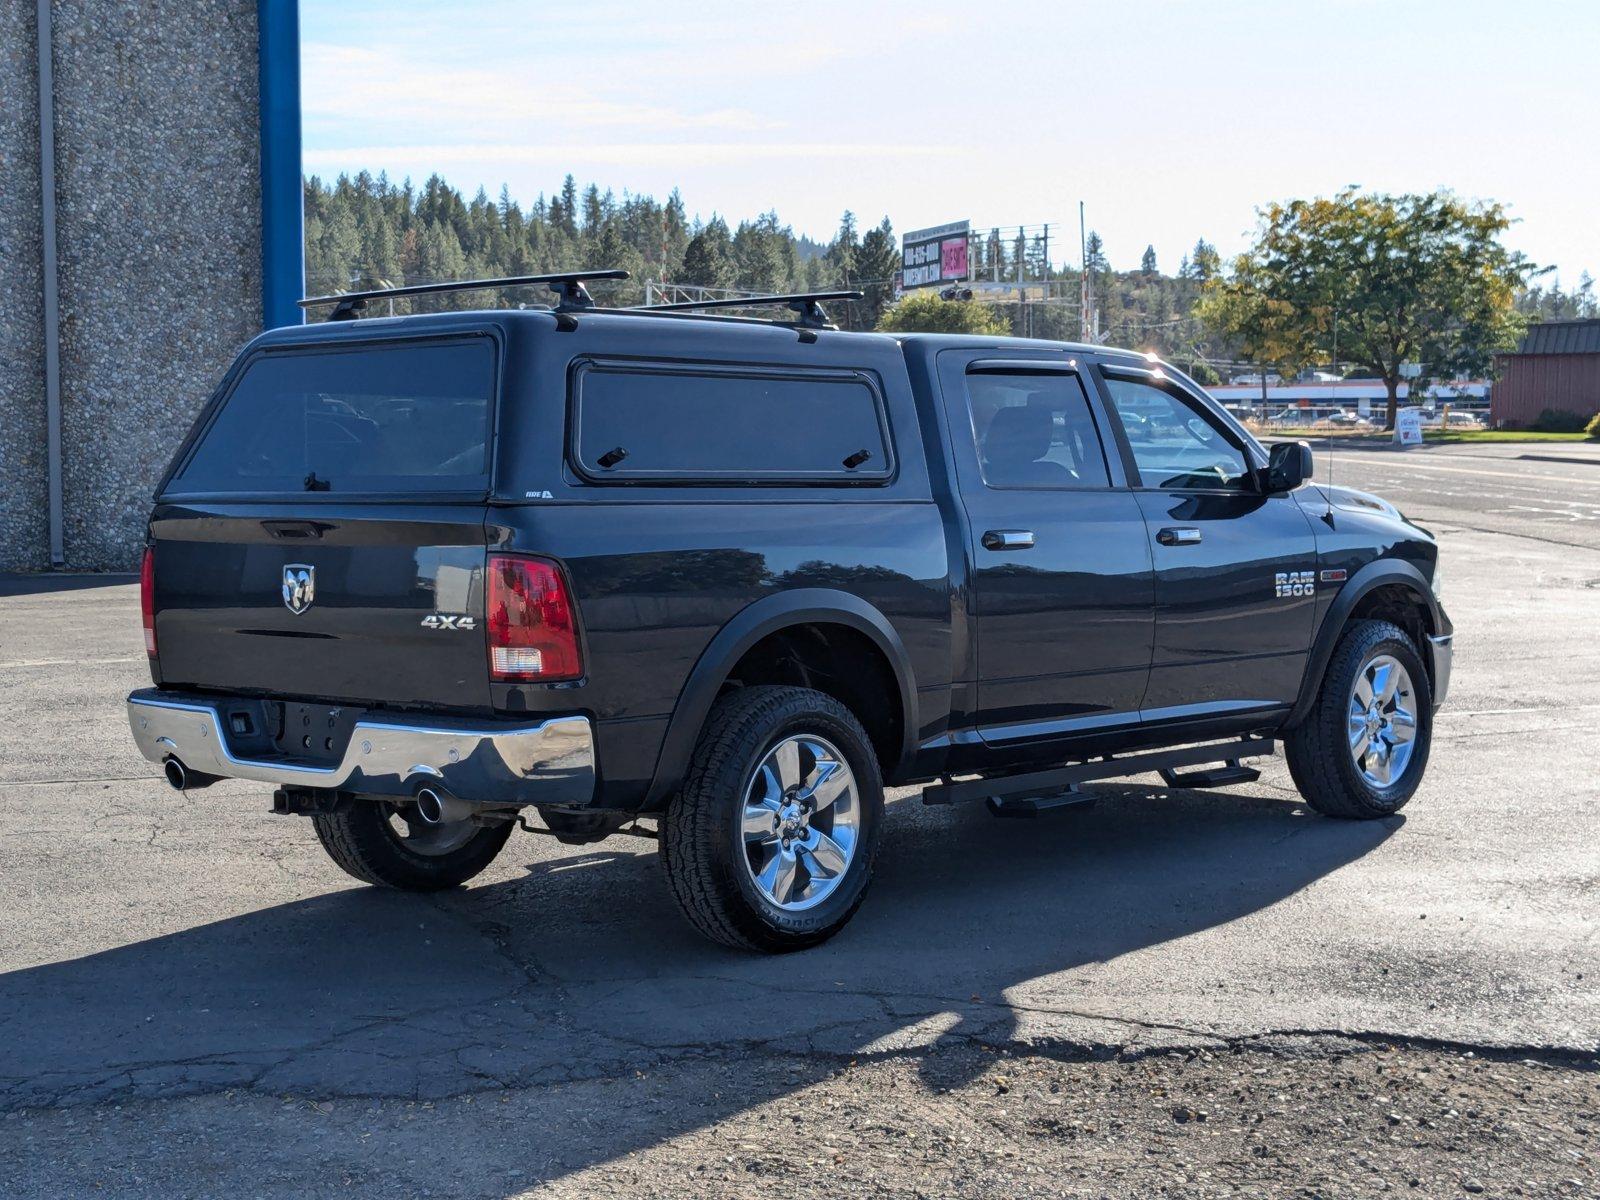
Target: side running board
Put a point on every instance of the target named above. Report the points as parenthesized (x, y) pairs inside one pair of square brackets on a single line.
[(1060, 779), (1210, 777)]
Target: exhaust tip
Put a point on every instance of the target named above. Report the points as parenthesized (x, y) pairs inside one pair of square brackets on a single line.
[(430, 806), (435, 806), (176, 775)]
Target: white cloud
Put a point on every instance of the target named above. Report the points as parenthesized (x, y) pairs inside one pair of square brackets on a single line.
[(387, 88), (615, 153)]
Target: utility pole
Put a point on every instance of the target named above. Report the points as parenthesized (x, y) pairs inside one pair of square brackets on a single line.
[(1047, 260), (1085, 289)]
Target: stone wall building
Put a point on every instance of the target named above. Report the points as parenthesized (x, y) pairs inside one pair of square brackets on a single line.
[(158, 209)]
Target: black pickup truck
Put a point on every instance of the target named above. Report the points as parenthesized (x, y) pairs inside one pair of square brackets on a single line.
[(720, 580)]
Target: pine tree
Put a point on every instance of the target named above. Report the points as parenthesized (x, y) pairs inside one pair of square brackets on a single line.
[(593, 213), (876, 265), (1584, 297), (1094, 256), (841, 256), (1147, 264), (759, 248), (566, 219), (708, 258), (675, 233), (443, 258), (364, 230), (1205, 264)]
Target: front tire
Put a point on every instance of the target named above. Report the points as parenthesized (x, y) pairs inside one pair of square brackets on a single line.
[(770, 844), (1362, 750), (375, 841)]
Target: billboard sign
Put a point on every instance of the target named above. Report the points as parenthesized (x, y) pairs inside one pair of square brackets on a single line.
[(935, 256)]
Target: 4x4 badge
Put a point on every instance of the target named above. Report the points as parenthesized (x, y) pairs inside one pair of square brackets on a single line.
[(447, 621), (299, 587)]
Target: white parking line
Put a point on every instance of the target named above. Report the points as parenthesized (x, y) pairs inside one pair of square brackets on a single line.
[(1522, 476), (62, 662), (1508, 712)]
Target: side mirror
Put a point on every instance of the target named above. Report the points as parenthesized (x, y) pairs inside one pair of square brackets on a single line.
[(1288, 466)]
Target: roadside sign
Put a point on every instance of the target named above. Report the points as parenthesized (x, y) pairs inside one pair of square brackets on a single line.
[(1408, 427), (935, 256)]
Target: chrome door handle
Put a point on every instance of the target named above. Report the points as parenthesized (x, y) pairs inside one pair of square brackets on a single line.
[(1008, 539), (1179, 537)]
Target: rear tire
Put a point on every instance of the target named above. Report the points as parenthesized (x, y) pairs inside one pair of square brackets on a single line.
[(769, 846), (1349, 757), (361, 838)]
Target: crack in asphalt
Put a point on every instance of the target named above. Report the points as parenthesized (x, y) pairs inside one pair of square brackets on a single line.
[(86, 779), (252, 1071)]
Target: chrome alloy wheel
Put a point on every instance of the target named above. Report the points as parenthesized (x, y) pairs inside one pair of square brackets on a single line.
[(801, 822), (1383, 721), (416, 835)]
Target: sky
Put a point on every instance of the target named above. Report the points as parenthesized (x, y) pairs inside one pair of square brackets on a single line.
[(1170, 121)]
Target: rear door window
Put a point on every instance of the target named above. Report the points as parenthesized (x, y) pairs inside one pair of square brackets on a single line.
[(667, 423), (1035, 430), (398, 417)]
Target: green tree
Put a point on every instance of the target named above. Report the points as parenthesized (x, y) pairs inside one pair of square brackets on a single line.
[(763, 250), (564, 208), (442, 258), (1094, 254), (876, 264), (1203, 264), (708, 258), (1553, 304), (1418, 279), (674, 232), (924, 312), (1147, 264), (1264, 328), (594, 215), (361, 230), (842, 254)]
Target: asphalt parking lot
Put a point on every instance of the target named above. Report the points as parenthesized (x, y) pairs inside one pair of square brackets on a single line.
[(195, 1001)]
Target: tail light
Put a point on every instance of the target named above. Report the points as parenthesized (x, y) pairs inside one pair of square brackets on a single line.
[(147, 598), (533, 634)]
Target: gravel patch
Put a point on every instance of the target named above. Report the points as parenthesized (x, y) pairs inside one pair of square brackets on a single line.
[(1303, 1120)]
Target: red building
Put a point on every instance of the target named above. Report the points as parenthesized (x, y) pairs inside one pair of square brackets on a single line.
[(1557, 365)]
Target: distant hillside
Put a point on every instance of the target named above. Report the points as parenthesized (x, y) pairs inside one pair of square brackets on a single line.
[(365, 230)]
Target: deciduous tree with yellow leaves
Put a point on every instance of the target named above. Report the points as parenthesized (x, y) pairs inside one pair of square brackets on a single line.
[(1419, 279)]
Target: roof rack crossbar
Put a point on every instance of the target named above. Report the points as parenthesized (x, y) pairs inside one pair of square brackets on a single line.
[(568, 285), (807, 305)]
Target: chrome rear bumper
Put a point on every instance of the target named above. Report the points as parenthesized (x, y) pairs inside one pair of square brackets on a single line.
[(550, 762)]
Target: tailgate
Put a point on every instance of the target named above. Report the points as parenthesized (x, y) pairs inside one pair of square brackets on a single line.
[(322, 535), (380, 607)]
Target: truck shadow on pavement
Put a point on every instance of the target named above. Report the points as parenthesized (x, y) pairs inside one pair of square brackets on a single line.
[(580, 969)]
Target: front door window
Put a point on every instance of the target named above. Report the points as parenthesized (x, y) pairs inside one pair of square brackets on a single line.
[(1175, 447)]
